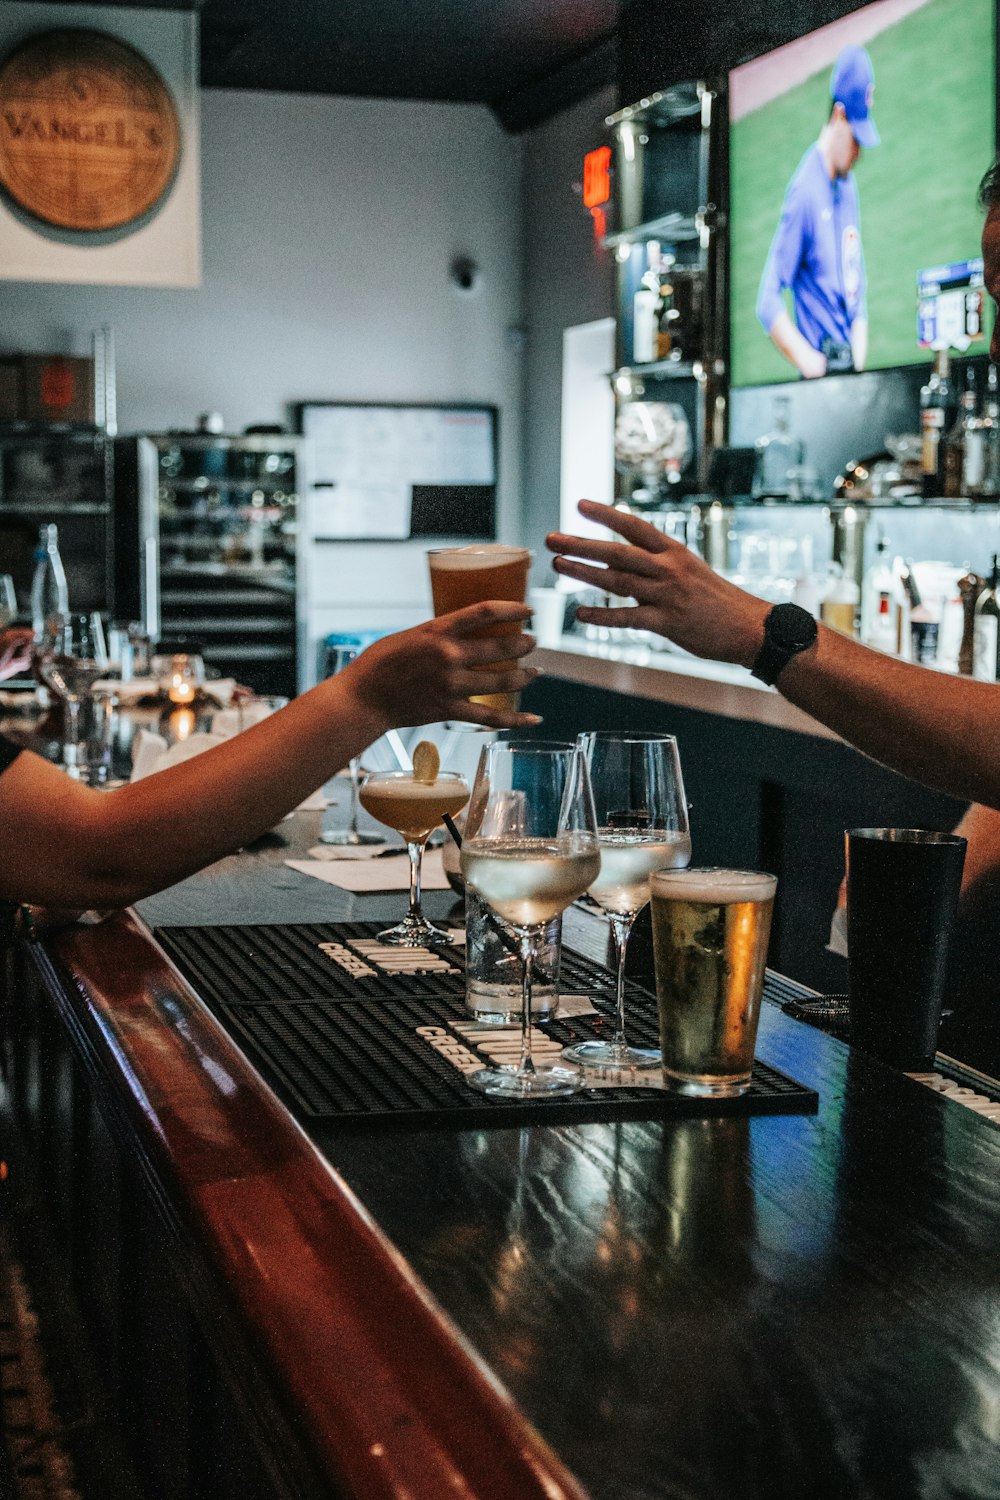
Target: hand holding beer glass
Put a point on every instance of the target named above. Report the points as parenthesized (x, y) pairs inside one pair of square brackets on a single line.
[(470, 575), (710, 935)]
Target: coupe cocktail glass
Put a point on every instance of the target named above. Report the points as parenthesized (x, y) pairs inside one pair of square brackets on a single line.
[(414, 808)]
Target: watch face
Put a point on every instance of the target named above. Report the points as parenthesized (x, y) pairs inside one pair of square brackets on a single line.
[(791, 627)]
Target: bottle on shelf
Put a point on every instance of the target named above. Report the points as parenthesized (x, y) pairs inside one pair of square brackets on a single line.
[(970, 586), (667, 314), (924, 628), (986, 635), (879, 604), (778, 454), (646, 309), (937, 413), (964, 445), (49, 594), (990, 426), (839, 607)]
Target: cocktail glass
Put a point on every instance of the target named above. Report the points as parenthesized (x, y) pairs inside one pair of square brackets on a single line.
[(414, 808)]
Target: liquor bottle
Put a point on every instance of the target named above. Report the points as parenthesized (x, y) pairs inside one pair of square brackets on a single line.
[(839, 608), (964, 445), (970, 586), (49, 594), (986, 640), (667, 316), (937, 412), (879, 605), (923, 626), (990, 422), (777, 455), (644, 309)]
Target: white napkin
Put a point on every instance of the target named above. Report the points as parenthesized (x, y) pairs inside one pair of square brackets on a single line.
[(837, 942), (391, 874), (230, 721), (150, 753)]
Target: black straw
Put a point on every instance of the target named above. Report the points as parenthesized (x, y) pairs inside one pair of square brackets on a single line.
[(450, 824)]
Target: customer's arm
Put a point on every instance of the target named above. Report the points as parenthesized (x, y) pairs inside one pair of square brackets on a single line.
[(938, 729), (67, 845)]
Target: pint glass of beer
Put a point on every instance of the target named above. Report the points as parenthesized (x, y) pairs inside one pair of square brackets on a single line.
[(710, 934), (468, 575)]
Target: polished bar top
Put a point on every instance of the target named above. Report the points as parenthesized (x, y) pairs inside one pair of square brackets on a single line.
[(675, 678), (780, 1307)]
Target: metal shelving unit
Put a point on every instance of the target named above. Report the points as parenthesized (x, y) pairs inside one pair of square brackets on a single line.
[(669, 180)]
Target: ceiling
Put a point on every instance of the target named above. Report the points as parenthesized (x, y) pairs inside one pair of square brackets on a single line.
[(525, 59)]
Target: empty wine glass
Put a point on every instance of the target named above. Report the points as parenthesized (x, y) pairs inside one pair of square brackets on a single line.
[(8, 601), (339, 657), (73, 655), (530, 848), (642, 826)]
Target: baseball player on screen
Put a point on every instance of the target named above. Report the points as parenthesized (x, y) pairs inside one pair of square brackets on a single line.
[(816, 251)]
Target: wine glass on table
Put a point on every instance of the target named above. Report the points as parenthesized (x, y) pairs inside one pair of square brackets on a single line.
[(415, 803), (339, 657), (72, 657), (530, 849), (642, 826), (8, 601)]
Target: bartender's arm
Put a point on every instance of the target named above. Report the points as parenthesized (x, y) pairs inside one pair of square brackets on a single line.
[(940, 730)]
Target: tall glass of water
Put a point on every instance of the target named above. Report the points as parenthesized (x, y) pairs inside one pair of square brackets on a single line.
[(530, 848), (642, 825)]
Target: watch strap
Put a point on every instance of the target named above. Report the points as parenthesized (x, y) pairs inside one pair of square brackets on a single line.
[(774, 655)]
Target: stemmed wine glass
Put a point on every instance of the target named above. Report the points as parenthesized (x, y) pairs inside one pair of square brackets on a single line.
[(351, 836), (530, 848), (414, 806), (642, 825), (73, 656)]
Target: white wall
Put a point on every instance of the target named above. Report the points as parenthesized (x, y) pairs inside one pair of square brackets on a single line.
[(329, 226)]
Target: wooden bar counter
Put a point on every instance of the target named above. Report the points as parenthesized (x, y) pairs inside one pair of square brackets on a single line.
[(783, 1307)]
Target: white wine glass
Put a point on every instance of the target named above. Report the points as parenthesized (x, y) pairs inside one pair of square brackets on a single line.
[(352, 836), (73, 656), (414, 807), (8, 601), (530, 849), (642, 826)]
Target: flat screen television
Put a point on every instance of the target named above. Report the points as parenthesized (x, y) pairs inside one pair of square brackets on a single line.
[(893, 242)]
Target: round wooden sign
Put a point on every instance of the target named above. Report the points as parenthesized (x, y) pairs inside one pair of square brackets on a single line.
[(89, 134)]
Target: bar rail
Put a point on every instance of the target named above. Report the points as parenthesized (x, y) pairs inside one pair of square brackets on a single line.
[(352, 1379)]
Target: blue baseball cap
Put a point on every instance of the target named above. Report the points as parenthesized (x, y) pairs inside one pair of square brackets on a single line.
[(852, 84)]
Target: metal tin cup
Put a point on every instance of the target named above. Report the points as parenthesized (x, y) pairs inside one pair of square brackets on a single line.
[(493, 966), (902, 900), (710, 934)]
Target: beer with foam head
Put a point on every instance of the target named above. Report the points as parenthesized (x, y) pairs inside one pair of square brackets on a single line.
[(468, 575), (710, 936)]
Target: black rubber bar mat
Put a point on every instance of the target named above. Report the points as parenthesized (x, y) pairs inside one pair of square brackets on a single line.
[(281, 991)]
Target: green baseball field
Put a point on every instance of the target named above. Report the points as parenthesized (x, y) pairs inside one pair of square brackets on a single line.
[(934, 108)]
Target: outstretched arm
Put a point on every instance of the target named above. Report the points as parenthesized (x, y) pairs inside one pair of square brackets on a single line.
[(938, 729), (67, 845)]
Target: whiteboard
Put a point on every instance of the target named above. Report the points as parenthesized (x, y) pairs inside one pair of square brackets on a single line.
[(390, 472)]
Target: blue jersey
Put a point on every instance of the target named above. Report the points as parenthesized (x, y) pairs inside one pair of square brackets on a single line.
[(816, 252)]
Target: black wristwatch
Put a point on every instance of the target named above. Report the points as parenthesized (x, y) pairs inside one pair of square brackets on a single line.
[(788, 630)]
